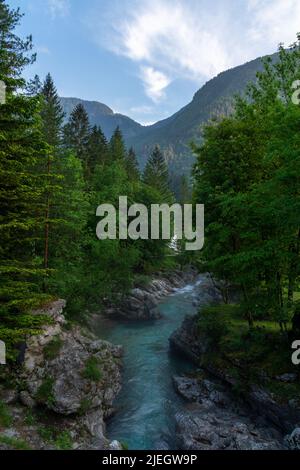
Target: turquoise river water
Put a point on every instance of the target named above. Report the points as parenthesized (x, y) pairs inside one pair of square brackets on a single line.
[(146, 406)]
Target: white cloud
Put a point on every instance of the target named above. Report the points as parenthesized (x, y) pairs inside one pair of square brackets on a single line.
[(43, 50), (59, 8), (192, 39), (274, 21), (155, 83), (168, 34), (144, 109)]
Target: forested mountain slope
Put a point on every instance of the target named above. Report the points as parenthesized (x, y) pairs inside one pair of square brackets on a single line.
[(175, 133), (103, 116)]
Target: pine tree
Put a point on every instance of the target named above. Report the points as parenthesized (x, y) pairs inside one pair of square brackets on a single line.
[(21, 146), (97, 149), (132, 166), (52, 119), (156, 174), (184, 190), (77, 133), (52, 113), (117, 146)]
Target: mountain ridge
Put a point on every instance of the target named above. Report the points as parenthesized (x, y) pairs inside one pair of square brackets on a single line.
[(174, 134)]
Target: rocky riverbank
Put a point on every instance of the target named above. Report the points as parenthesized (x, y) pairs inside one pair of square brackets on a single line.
[(215, 420), (142, 302), (225, 412), (64, 391)]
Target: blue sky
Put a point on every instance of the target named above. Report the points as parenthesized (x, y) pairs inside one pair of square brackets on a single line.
[(146, 58)]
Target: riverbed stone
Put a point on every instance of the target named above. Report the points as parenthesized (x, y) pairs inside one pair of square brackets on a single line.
[(293, 440)]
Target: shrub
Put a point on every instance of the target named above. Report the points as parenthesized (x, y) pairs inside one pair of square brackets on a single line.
[(92, 370), (51, 350), (214, 323), (63, 441), (16, 444), (85, 405), (5, 417), (45, 391)]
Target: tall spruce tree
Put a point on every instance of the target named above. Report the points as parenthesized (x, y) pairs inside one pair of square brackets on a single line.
[(77, 134), (156, 174), (132, 166), (97, 150), (21, 147), (117, 146), (52, 119)]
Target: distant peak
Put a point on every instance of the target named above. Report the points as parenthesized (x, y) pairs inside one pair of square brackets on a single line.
[(96, 105)]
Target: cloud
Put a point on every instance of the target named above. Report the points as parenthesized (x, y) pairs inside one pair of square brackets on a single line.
[(59, 8), (169, 34), (171, 40), (43, 50), (155, 83), (274, 21), (144, 109)]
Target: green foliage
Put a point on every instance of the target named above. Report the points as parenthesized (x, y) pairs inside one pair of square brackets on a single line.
[(213, 321), (16, 444), (156, 174), (5, 416), (117, 146), (132, 166), (30, 418), (77, 133), (247, 175), (52, 349), (60, 439), (45, 391), (92, 369), (85, 405), (21, 197), (63, 441)]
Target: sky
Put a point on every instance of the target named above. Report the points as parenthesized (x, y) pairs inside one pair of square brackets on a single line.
[(147, 58)]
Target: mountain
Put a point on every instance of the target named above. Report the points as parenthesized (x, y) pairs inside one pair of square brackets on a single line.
[(175, 133), (103, 116)]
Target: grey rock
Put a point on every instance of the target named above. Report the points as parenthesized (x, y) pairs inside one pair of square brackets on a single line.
[(115, 445), (9, 396), (188, 388), (293, 440), (213, 422), (287, 378), (72, 390), (26, 399), (141, 303)]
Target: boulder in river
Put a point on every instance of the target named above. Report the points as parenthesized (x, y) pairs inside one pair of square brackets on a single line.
[(215, 422)]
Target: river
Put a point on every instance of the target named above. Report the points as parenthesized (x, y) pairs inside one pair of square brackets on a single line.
[(146, 406)]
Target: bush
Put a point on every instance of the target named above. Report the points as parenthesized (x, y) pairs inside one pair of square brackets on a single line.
[(45, 391), (5, 417), (91, 370), (63, 441), (213, 322), (51, 350), (16, 444)]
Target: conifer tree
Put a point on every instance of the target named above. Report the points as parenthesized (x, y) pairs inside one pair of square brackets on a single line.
[(77, 133), (117, 146), (156, 174), (20, 196), (97, 149), (52, 119), (132, 166)]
